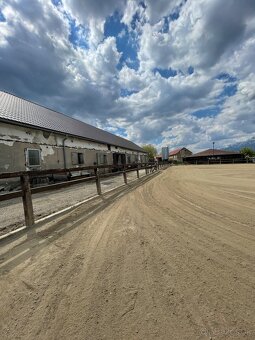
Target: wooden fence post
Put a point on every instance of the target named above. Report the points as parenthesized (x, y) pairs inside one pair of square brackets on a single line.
[(27, 200), (124, 174), (98, 184), (137, 170)]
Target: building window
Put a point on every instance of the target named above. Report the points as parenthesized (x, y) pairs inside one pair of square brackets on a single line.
[(101, 159), (33, 157), (133, 159), (80, 158), (77, 158)]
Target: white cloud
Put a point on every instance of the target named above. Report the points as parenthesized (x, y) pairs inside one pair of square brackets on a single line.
[(92, 14), (39, 62), (122, 34), (130, 10), (132, 80), (157, 9), (204, 34)]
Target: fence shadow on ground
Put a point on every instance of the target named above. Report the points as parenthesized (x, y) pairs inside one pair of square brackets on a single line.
[(30, 241)]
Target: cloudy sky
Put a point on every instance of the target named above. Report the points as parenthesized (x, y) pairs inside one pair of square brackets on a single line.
[(167, 72)]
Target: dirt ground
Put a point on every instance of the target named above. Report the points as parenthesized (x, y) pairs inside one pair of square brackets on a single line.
[(172, 258), (46, 203)]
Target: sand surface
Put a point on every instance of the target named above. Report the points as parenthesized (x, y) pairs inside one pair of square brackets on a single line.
[(172, 258), (46, 203)]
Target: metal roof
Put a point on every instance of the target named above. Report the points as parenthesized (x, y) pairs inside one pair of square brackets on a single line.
[(23, 112), (174, 152), (213, 152)]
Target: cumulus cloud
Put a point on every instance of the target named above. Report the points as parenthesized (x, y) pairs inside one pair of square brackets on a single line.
[(58, 55), (130, 10), (158, 9), (204, 32), (92, 14), (44, 66), (33, 58)]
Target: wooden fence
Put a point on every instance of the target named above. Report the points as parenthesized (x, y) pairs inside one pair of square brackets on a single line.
[(27, 191), (211, 161)]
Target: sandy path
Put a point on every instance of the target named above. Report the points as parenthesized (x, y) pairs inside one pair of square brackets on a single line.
[(171, 259), (46, 203)]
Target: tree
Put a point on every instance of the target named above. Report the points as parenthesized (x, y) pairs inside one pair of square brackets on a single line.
[(248, 152), (151, 150)]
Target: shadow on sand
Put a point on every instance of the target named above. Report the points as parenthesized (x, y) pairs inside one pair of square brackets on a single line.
[(21, 246)]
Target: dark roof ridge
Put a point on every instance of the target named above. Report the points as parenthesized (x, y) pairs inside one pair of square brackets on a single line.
[(61, 113), (213, 152), (77, 128), (32, 102)]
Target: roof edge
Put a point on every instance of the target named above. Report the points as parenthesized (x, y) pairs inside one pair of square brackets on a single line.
[(70, 117), (13, 122)]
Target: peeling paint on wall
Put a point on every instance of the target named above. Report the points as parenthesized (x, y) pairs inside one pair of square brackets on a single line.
[(15, 133), (46, 151), (16, 140), (10, 132), (73, 142), (6, 142)]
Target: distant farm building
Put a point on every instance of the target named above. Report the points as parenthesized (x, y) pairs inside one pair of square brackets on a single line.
[(178, 155), (214, 156), (35, 137)]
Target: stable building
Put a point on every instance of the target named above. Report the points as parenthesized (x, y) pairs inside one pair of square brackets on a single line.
[(35, 137), (214, 156), (177, 155)]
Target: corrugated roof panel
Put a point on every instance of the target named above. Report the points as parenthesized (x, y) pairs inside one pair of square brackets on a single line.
[(213, 152), (21, 111), (174, 152)]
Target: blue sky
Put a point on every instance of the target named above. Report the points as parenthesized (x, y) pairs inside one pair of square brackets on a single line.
[(171, 73)]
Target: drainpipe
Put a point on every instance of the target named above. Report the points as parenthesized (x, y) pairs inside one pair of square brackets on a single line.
[(64, 151)]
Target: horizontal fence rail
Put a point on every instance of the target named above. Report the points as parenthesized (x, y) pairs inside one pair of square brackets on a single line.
[(96, 175), (220, 161)]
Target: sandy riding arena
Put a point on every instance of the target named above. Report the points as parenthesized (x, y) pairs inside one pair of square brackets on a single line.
[(172, 258)]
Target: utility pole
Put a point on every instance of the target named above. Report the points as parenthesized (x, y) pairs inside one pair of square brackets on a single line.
[(213, 147)]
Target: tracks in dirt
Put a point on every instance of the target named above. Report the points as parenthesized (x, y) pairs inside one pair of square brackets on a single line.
[(172, 259)]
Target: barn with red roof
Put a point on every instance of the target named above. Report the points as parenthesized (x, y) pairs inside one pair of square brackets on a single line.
[(177, 155)]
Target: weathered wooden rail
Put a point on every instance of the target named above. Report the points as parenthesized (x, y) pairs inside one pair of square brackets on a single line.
[(27, 191), (220, 161)]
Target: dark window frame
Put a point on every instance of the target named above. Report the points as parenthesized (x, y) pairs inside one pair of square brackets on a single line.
[(77, 158), (102, 158), (29, 151)]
